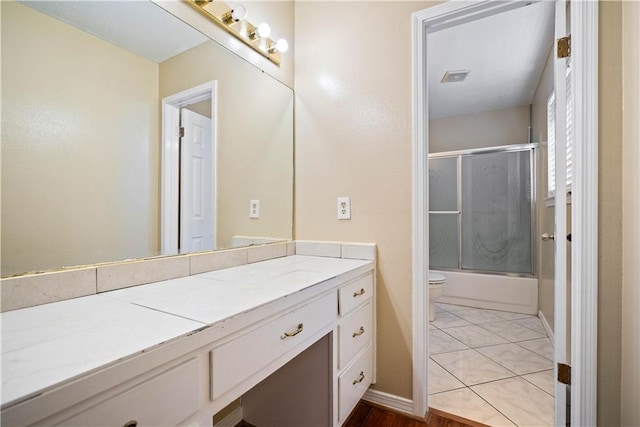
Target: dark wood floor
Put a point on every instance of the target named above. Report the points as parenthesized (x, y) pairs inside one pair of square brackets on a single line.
[(368, 415)]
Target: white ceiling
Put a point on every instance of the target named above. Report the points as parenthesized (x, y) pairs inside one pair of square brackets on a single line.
[(505, 53), (140, 27)]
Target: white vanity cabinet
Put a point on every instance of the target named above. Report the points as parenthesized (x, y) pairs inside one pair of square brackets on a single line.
[(290, 317), (240, 359), (356, 333), (165, 399)]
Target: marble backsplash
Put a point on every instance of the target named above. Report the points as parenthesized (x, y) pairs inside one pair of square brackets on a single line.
[(43, 288)]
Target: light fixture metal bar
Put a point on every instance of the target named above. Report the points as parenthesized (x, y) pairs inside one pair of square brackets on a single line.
[(215, 11)]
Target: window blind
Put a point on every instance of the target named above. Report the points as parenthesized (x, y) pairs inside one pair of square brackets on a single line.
[(551, 138)]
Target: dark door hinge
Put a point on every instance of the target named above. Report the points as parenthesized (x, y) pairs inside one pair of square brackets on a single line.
[(564, 373), (564, 47), (181, 132)]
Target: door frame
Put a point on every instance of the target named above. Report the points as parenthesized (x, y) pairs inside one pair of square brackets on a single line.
[(584, 260), (170, 163)]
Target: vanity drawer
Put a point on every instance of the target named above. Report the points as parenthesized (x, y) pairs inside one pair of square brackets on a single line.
[(354, 333), (355, 293), (354, 382), (237, 360), (164, 400)]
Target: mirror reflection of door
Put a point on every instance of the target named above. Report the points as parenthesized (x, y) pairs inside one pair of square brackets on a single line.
[(196, 181)]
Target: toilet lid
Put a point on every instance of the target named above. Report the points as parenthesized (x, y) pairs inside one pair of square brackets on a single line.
[(436, 278)]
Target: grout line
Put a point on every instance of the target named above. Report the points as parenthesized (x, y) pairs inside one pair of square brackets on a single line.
[(536, 385), (497, 410), (491, 359)]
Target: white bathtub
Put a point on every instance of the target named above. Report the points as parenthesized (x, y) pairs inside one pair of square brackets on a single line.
[(515, 294)]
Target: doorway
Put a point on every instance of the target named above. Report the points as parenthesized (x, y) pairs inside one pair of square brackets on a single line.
[(584, 203), (188, 170)]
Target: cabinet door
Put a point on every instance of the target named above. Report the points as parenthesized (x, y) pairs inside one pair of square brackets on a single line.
[(236, 361), (355, 293), (354, 333), (164, 400), (354, 382)]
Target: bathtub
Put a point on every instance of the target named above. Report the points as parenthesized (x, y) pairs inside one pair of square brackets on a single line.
[(491, 291)]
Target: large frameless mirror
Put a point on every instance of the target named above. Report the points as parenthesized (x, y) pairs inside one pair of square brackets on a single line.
[(83, 85)]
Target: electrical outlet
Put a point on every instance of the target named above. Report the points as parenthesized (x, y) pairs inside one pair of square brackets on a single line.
[(344, 208), (254, 208)]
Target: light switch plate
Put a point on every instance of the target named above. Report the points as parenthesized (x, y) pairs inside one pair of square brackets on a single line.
[(254, 208), (344, 208)]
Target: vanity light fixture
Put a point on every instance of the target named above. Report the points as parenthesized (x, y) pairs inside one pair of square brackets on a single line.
[(238, 13), (279, 46), (262, 31), (234, 21)]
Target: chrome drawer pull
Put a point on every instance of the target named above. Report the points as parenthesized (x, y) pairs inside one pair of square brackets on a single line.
[(294, 333), (360, 292), (360, 378), (132, 423), (358, 332)]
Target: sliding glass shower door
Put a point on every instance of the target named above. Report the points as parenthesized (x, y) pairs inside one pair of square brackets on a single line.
[(480, 216)]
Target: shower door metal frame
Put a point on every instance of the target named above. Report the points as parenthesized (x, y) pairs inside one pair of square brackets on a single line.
[(533, 176)]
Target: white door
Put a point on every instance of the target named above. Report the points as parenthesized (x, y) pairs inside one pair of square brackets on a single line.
[(560, 276), (196, 183)]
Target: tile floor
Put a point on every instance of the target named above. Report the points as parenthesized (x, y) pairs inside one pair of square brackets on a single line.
[(491, 366)]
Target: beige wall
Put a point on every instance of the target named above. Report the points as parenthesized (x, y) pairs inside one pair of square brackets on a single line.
[(71, 177), (631, 215), (609, 213), (486, 129), (254, 139), (353, 138), (545, 214)]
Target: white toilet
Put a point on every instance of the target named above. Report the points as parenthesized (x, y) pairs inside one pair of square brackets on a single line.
[(436, 288)]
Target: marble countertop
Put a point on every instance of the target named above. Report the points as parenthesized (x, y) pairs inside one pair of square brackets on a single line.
[(47, 345)]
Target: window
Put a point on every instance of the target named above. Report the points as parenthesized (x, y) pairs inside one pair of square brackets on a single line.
[(551, 138)]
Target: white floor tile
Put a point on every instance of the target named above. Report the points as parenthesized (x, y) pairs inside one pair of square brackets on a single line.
[(543, 380), (477, 316), (451, 307), (446, 319), (511, 331), (471, 367), (542, 346), (532, 323), (440, 380), (507, 315), (475, 336), (441, 342), (517, 359), (465, 403), (503, 346), (520, 401)]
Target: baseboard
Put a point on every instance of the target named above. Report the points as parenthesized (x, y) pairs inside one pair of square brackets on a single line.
[(546, 326), (232, 419), (390, 401)]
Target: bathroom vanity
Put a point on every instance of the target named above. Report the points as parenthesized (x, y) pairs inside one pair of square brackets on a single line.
[(176, 352)]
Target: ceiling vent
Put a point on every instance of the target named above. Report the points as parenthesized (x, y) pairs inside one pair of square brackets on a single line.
[(454, 76)]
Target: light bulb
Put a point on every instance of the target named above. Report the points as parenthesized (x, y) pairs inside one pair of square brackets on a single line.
[(282, 46), (263, 30), (239, 12)]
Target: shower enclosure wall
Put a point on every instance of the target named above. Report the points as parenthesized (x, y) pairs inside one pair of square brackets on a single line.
[(481, 212)]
